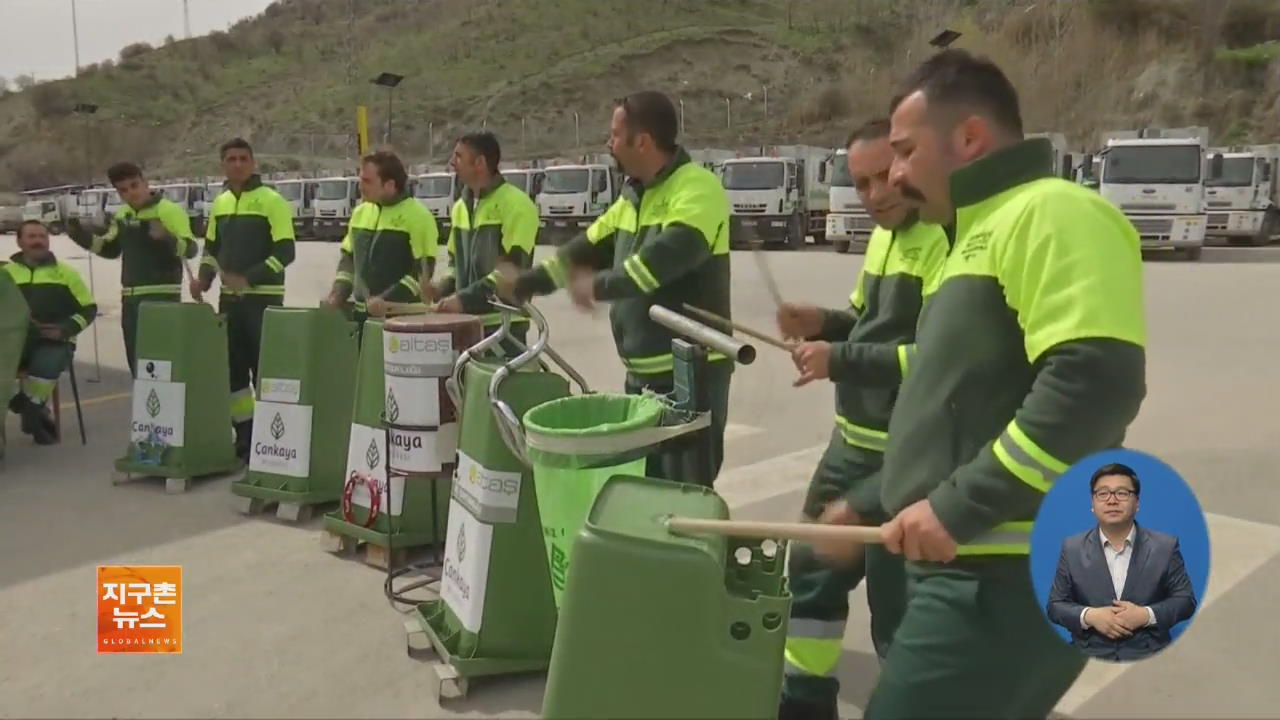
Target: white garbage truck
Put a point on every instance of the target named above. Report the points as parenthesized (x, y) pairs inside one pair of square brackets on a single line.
[(778, 197), (572, 197), (849, 225), (1241, 203), (300, 193), (437, 192), (1156, 176), (335, 198)]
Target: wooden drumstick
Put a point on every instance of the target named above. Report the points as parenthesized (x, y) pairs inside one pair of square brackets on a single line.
[(809, 532), (725, 322)]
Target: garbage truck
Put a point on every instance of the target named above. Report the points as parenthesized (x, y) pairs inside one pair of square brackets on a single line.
[(189, 197), (437, 191), (334, 200), (301, 195), (1156, 176), (1241, 203), (849, 225), (91, 205), (573, 196), (778, 197), (51, 206)]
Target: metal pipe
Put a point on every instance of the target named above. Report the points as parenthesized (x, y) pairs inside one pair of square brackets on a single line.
[(743, 353), (453, 385)]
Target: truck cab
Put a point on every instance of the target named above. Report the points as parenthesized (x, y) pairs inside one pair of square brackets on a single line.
[(849, 225), (300, 195), (766, 201), (529, 180), (1157, 180), (438, 191), (1240, 202), (91, 206), (52, 210), (335, 198), (572, 197)]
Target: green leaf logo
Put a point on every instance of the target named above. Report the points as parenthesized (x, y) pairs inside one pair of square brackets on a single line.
[(393, 407), (462, 543), (277, 427), (371, 455), (153, 403)]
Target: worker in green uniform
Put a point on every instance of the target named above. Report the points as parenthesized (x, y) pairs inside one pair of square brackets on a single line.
[(493, 223), (152, 236), (61, 307), (1030, 357), (665, 241), (389, 251), (248, 243), (865, 350)]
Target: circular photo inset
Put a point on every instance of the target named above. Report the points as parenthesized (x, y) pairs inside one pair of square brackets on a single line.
[(1120, 555)]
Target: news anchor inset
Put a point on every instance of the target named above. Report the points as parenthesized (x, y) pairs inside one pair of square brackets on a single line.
[(1120, 588)]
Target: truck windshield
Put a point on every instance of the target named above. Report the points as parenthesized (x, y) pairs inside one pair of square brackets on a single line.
[(517, 178), (566, 181), (753, 176), (1151, 164), (434, 187), (176, 194), (290, 191), (840, 176), (91, 199), (333, 190), (1236, 172)]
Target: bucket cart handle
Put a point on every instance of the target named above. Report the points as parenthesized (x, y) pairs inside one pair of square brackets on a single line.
[(453, 385), (509, 425)]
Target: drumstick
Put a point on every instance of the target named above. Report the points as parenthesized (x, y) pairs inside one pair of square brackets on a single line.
[(403, 308), (864, 534), (708, 315), (770, 283)]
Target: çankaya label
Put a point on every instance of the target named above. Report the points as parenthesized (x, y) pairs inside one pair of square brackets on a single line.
[(465, 575), (159, 412), (281, 439)]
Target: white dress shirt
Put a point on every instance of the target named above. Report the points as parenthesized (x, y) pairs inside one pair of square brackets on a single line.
[(1118, 565)]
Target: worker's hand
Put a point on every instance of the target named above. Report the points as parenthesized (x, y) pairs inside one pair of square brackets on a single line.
[(505, 274), (197, 288), (1106, 620), (451, 304), (50, 331), (1129, 615), (917, 533), (235, 282), (797, 322), (333, 300), (839, 553), (813, 360), (377, 307), (430, 293), (582, 289)]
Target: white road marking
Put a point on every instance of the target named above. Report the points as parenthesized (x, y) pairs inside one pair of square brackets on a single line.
[(734, 431)]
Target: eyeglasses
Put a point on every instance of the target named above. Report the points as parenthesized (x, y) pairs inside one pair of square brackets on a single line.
[(1118, 494)]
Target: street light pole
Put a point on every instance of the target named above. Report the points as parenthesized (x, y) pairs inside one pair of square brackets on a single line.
[(728, 118), (766, 102), (388, 81), (682, 117), (88, 109), (75, 35), (577, 132)]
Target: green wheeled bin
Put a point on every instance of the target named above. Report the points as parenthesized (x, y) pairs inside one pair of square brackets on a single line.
[(14, 318), (495, 614), (658, 625), (303, 413), (180, 427), (404, 435)]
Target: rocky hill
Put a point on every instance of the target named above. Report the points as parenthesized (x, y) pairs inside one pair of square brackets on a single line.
[(543, 75)]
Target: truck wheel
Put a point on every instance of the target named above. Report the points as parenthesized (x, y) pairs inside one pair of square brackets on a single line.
[(841, 246), (795, 233), (1270, 227), (1192, 253), (55, 228)]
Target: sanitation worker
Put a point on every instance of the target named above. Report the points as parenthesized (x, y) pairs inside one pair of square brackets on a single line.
[(865, 350), (152, 237), (248, 243), (389, 251), (61, 308), (665, 241), (1030, 357), (493, 223)]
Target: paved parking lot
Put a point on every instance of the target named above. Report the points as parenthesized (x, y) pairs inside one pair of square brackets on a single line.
[(275, 627)]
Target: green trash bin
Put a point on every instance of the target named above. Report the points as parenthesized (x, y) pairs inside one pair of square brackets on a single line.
[(662, 625), (576, 444), (14, 317)]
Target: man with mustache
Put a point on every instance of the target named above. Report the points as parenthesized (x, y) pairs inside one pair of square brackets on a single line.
[(665, 241), (865, 351), (1030, 358)]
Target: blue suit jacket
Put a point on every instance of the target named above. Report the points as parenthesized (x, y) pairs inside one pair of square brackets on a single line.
[(1157, 579)]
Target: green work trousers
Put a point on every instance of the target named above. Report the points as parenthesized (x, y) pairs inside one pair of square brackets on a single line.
[(820, 592), (973, 643), (130, 308), (244, 344), (675, 463), (43, 361)]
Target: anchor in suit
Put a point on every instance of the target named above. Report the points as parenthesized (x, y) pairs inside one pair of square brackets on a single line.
[(1120, 588)]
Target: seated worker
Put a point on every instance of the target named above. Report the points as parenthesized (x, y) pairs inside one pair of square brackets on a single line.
[(60, 308)]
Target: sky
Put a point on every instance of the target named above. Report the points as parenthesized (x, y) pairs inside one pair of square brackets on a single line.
[(38, 38)]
